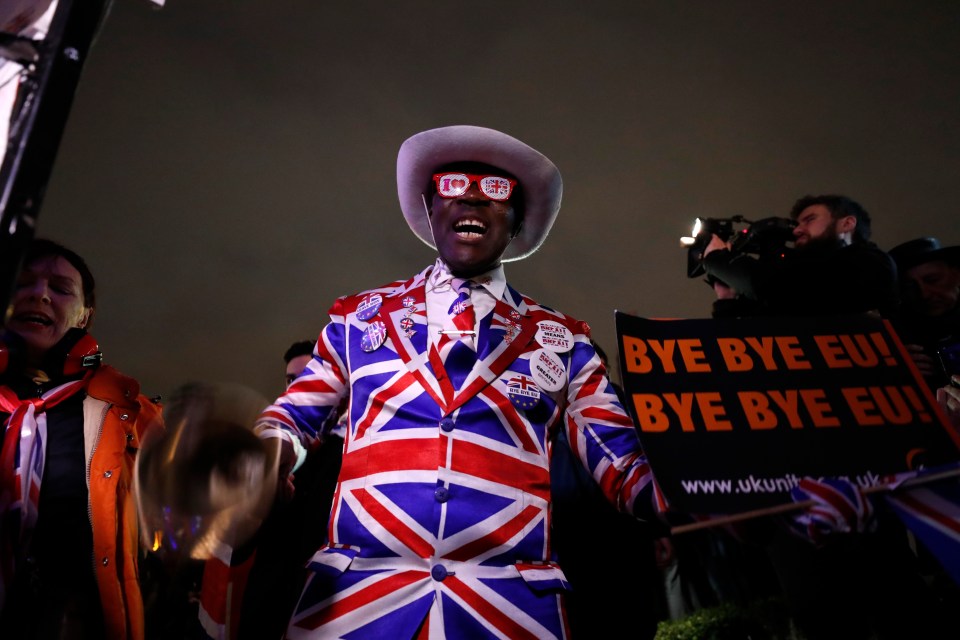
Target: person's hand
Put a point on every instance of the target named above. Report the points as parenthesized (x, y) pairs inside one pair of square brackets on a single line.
[(949, 399), (837, 506), (715, 244), (723, 291), (924, 362), (663, 554)]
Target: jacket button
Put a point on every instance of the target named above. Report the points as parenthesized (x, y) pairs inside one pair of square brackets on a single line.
[(124, 416), (105, 561), (442, 494), (446, 424), (129, 437), (439, 572), (107, 474)]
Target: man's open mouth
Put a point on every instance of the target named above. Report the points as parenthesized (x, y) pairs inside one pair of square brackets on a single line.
[(470, 228)]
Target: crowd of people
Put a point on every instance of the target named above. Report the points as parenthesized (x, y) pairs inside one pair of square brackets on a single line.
[(455, 459), (838, 588)]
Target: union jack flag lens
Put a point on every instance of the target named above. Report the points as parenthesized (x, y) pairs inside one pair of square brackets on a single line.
[(453, 185)]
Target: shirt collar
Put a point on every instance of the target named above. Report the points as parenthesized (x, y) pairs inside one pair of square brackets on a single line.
[(494, 281)]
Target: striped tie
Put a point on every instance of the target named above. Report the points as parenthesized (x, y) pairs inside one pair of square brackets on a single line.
[(458, 349), (461, 310)]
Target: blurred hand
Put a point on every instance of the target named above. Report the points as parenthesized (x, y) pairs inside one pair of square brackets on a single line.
[(837, 506), (925, 363), (208, 480), (949, 399)]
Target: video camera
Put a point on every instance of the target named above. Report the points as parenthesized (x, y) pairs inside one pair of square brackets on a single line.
[(766, 238)]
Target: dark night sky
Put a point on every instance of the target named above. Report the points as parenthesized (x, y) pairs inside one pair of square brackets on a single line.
[(228, 168)]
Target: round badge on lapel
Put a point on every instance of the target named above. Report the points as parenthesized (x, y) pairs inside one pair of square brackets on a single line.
[(373, 336), (369, 306), (547, 369), (522, 391), (554, 336)]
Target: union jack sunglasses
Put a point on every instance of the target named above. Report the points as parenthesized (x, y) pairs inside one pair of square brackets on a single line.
[(454, 185)]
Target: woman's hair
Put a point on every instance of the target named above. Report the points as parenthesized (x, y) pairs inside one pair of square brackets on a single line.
[(44, 248)]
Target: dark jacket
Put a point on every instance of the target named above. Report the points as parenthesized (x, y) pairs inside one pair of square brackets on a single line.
[(812, 281)]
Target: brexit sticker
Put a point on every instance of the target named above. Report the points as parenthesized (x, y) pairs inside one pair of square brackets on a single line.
[(373, 336), (554, 336), (369, 306), (548, 370), (522, 391)]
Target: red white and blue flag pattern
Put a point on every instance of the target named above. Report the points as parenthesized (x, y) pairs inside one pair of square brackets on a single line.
[(932, 512), (441, 522)]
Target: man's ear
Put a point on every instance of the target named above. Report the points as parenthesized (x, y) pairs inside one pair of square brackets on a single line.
[(846, 224)]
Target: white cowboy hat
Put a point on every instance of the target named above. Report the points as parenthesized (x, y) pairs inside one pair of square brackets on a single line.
[(422, 154)]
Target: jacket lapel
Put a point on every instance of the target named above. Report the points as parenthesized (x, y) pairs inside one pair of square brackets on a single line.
[(405, 314)]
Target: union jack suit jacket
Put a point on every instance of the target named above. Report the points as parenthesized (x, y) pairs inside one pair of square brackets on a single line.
[(440, 526)]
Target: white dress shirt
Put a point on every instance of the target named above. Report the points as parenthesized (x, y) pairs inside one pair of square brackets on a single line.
[(440, 296)]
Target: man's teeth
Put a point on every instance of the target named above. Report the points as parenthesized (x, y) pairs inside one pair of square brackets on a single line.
[(470, 227)]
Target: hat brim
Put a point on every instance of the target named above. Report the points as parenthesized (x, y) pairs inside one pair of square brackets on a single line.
[(950, 255), (422, 154)]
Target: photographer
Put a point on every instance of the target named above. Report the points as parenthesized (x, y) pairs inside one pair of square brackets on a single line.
[(833, 268), (866, 583)]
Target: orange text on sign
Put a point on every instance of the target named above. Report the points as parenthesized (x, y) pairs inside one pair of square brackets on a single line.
[(641, 356), (772, 352)]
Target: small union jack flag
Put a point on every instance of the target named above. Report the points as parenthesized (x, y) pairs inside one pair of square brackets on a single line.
[(523, 392), (932, 513), (521, 383)]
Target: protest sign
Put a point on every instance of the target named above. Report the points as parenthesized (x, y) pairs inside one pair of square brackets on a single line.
[(733, 412)]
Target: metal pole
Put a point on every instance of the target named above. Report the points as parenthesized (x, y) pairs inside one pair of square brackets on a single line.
[(39, 119)]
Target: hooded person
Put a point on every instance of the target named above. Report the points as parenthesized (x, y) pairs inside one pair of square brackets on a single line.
[(457, 383)]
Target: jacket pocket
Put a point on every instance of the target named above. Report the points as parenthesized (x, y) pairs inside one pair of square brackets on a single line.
[(332, 560), (543, 576)]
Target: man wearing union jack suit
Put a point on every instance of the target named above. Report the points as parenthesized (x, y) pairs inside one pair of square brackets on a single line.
[(440, 526)]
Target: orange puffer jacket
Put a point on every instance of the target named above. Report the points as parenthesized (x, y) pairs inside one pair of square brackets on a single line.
[(116, 418)]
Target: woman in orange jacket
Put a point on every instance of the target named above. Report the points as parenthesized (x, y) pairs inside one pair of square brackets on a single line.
[(69, 539)]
